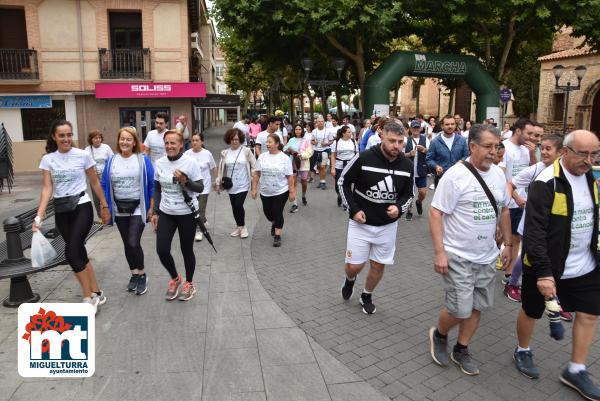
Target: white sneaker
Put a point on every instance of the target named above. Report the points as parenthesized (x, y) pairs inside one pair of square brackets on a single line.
[(244, 232), (101, 297), (94, 301), (198, 236), (432, 186), (235, 233)]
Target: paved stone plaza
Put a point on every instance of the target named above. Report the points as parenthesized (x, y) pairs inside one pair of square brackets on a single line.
[(269, 324)]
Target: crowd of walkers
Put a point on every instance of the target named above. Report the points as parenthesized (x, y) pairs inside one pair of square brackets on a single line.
[(521, 200)]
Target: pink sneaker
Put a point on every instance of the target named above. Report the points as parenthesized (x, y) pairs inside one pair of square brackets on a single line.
[(512, 292)]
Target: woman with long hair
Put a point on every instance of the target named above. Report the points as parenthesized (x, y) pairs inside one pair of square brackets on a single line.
[(343, 150), (128, 184), (300, 151), (274, 176), (235, 175), (65, 169), (100, 152), (173, 174)]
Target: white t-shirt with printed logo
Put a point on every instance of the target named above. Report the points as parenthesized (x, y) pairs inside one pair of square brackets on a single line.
[(469, 218), (171, 201), (522, 181), (236, 169), (515, 160), (274, 169), (101, 154), (207, 164), (261, 139), (68, 172), (125, 179), (156, 142), (344, 150), (324, 137), (580, 260)]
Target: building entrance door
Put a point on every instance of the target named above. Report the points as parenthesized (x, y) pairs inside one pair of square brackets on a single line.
[(140, 118)]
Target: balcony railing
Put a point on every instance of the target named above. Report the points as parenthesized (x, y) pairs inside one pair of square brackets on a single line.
[(19, 64), (124, 64)]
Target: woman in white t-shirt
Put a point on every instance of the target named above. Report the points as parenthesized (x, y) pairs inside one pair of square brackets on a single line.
[(235, 174), (343, 150), (208, 168), (465, 132), (274, 175), (300, 151), (173, 174), (100, 152), (65, 170), (128, 184)]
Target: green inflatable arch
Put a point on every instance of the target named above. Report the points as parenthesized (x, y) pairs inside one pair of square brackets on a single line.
[(400, 64)]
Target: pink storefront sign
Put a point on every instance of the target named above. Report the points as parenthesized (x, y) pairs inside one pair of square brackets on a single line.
[(150, 90)]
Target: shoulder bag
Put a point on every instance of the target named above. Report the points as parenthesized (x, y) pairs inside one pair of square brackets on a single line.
[(67, 203), (486, 189), (227, 182)]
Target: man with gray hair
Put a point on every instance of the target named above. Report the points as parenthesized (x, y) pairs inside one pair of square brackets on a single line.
[(560, 256), (469, 203), (377, 187)]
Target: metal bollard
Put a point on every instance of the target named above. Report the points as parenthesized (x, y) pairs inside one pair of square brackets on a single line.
[(13, 228)]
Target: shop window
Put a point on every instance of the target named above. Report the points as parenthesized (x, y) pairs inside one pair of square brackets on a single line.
[(558, 106), (36, 122)]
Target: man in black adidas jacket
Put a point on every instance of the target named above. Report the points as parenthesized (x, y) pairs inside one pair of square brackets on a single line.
[(377, 187), (560, 255)]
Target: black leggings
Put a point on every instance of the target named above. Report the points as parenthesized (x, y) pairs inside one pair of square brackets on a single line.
[(131, 229), (74, 227), (273, 208), (186, 225), (237, 206)]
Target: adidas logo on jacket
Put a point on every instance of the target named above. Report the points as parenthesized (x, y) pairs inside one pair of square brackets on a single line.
[(372, 183)]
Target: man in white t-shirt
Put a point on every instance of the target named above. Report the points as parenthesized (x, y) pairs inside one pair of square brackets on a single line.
[(154, 145), (347, 123), (321, 139), (462, 221), (182, 127), (560, 256), (272, 128), (329, 123), (516, 159), (243, 125)]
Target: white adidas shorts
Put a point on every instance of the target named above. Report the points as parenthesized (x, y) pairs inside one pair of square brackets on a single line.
[(365, 242)]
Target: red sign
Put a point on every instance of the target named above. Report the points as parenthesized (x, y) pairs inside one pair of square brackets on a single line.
[(150, 90)]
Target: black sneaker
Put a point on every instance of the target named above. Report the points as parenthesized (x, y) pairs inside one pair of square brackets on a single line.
[(272, 230), (419, 205), (339, 201), (133, 282), (368, 306), (409, 216), (524, 362), (311, 179), (142, 286), (277, 241), (348, 288), (294, 209), (465, 362), (323, 186), (438, 348), (304, 202), (581, 383)]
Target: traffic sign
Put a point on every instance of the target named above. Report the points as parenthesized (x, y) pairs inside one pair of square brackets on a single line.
[(505, 95)]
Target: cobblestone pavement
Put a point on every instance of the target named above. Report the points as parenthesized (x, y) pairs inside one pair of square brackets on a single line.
[(390, 349)]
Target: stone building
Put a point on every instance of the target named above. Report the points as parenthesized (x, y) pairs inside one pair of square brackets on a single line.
[(583, 111)]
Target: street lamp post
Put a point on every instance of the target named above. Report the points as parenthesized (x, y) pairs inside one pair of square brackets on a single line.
[(307, 65), (558, 71)]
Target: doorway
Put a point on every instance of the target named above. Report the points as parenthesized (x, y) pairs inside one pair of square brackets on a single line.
[(595, 123), (140, 118)]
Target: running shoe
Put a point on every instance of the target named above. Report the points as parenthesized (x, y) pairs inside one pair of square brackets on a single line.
[(566, 316), (323, 186), (512, 292), (277, 241), (235, 233), (198, 236), (304, 202), (465, 362), (432, 186), (243, 232), (173, 289), (294, 209), (582, 383), (142, 286), (438, 348), (348, 288), (409, 216), (311, 179), (188, 291), (505, 279), (100, 296), (133, 282), (368, 306), (524, 363), (419, 205)]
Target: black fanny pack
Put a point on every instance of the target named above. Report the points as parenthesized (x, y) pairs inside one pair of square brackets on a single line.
[(127, 206), (67, 203)]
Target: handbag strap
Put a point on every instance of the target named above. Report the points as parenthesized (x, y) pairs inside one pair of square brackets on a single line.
[(486, 189), (236, 159)]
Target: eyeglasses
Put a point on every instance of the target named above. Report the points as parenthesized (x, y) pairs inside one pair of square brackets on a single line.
[(584, 155), (488, 147)]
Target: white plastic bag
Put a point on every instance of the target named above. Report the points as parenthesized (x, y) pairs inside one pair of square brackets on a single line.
[(42, 251)]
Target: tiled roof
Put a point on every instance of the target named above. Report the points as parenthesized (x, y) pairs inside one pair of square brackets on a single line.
[(567, 54)]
